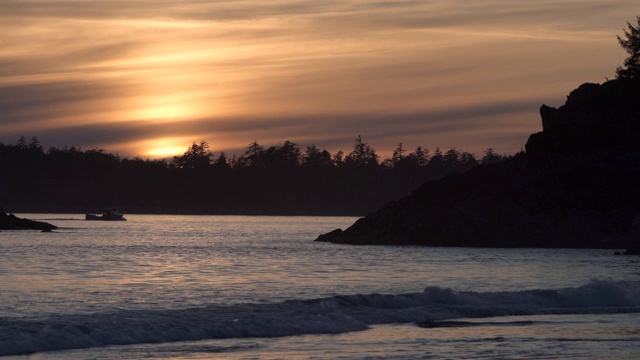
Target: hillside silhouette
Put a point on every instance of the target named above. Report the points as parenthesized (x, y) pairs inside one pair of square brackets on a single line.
[(576, 185)]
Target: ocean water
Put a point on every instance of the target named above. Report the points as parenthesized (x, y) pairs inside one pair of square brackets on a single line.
[(258, 287)]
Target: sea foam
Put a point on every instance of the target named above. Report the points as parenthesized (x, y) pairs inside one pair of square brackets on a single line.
[(293, 317)]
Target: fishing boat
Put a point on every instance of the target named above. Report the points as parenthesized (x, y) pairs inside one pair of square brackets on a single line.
[(110, 215)]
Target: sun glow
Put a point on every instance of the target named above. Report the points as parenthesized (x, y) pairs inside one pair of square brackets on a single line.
[(163, 148), (165, 152), (149, 81), (166, 107)]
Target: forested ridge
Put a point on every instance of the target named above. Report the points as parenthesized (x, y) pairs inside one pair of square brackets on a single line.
[(280, 179)]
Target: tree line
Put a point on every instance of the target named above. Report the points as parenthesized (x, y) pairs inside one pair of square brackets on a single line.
[(280, 179)]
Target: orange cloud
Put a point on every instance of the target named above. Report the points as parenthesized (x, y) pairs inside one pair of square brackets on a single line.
[(437, 73)]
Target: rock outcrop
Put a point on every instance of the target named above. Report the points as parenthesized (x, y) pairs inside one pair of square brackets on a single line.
[(576, 185), (12, 222)]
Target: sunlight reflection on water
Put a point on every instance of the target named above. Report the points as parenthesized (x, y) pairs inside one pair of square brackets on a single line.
[(181, 261)]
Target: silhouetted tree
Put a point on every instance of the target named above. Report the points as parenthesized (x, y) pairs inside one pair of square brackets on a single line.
[(338, 158), (437, 159), (34, 145), (287, 154), (22, 142), (468, 160), (280, 179), (314, 158), (420, 156), (398, 154), (396, 157), (311, 155), (631, 67), (196, 157), (252, 157), (362, 155), (451, 157), (491, 157), (221, 162)]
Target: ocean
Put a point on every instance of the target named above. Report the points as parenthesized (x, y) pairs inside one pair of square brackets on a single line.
[(259, 287)]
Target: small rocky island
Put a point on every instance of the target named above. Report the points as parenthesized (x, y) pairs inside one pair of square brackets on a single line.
[(577, 184), (12, 222)]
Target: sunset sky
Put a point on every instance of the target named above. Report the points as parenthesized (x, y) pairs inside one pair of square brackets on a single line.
[(149, 77)]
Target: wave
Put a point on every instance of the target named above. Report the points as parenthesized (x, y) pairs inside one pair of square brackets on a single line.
[(433, 307)]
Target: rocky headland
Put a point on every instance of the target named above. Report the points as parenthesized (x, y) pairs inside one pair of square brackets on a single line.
[(12, 222), (577, 184)]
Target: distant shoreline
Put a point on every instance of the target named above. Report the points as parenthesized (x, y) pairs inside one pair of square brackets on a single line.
[(155, 211)]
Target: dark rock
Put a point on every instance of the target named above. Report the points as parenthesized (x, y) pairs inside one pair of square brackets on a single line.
[(548, 115), (332, 236), (12, 222), (576, 185)]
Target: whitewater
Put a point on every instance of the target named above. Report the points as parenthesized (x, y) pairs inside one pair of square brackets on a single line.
[(204, 287)]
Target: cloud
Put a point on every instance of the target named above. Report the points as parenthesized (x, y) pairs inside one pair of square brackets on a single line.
[(91, 73), (456, 127)]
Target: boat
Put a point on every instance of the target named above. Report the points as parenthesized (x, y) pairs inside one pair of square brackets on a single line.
[(110, 215)]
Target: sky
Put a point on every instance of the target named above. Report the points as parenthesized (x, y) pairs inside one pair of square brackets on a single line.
[(147, 78)]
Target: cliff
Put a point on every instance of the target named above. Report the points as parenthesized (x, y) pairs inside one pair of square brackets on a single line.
[(576, 185)]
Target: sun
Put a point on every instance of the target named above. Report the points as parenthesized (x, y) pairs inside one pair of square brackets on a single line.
[(164, 152), (162, 148)]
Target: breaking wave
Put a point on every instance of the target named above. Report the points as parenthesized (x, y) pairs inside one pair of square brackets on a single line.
[(433, 307)]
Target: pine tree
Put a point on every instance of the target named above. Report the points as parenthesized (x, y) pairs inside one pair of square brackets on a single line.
[(631, 45)]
